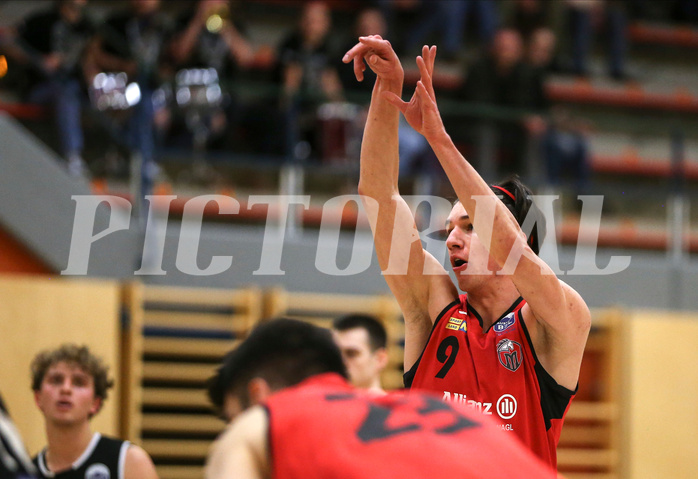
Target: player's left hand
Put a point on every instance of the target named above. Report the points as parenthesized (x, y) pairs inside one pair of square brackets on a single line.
[(421, 112)]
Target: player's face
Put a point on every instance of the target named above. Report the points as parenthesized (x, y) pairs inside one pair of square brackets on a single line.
[(67, 394), (363, 365), (469, 258)]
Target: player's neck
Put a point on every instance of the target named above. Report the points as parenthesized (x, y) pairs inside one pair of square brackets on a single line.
[(66, 444), (375, 387), (492, 301)]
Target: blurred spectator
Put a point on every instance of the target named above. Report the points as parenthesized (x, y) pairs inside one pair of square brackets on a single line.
[(446, 18), (133, 41), (585, 16), (51, 44), (561, 139), (500, 79), (566, 152), (528, 16), (211, 35), (398, 14), (684, 11), (449, 19), (416, 157), (369, 21), (538, 57), (308, 78)]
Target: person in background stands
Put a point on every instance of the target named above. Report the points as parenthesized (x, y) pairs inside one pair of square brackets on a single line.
[(211, 34), (51, 44), (308, 78), (498, 80), (134, 41)]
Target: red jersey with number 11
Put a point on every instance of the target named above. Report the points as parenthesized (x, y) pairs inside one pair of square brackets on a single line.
[(495, 371), (323, 428)]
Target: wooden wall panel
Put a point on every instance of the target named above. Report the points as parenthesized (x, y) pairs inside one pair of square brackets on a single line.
[(40, 313), (662, 412)]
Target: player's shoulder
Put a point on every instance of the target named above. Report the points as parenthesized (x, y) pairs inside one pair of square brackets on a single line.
[(248, 427), (138, 464), (246, 436)]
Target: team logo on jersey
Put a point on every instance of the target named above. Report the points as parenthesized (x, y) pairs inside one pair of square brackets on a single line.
[(510, 354), (97, 471), (505, 323), (457, 324)]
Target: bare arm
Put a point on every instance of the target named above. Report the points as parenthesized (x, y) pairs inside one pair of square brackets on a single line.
[(183, 44), (419, 283), (241, 450), (557, 316), (238, 46), (104, 61), (138, 464)]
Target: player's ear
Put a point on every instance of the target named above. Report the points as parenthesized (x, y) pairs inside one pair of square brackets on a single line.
[(96, 406), (381, 357), (258, 391)]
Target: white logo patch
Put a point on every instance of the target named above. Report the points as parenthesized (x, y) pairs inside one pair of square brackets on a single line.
[(97, 471)]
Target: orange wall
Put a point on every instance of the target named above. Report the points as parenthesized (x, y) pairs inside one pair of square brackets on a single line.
[(15, 258)]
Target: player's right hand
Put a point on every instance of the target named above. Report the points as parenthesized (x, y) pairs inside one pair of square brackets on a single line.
[(379, 55)]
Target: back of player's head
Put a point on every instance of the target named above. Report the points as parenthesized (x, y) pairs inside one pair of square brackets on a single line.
[(377, 336), (73, 354), (517, 198), (283, 352)]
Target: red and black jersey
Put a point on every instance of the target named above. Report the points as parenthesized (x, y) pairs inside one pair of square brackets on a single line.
[(324, 428), (495, 371)]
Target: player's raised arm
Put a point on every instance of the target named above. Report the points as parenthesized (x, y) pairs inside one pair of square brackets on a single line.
[(421, 295)]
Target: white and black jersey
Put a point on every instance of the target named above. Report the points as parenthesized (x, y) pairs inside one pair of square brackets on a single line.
[(103, 458)]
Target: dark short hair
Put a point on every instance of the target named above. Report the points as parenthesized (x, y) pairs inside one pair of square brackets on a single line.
[(281, 351), (377, 336), (72, 354), (520, 206)]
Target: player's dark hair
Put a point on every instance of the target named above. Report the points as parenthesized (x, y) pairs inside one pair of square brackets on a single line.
[(517, 198), (377, 336), (281, 351)]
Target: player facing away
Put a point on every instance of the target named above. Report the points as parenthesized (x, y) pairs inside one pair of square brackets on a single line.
[(294, 415), (512, 345), (70, 385)]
